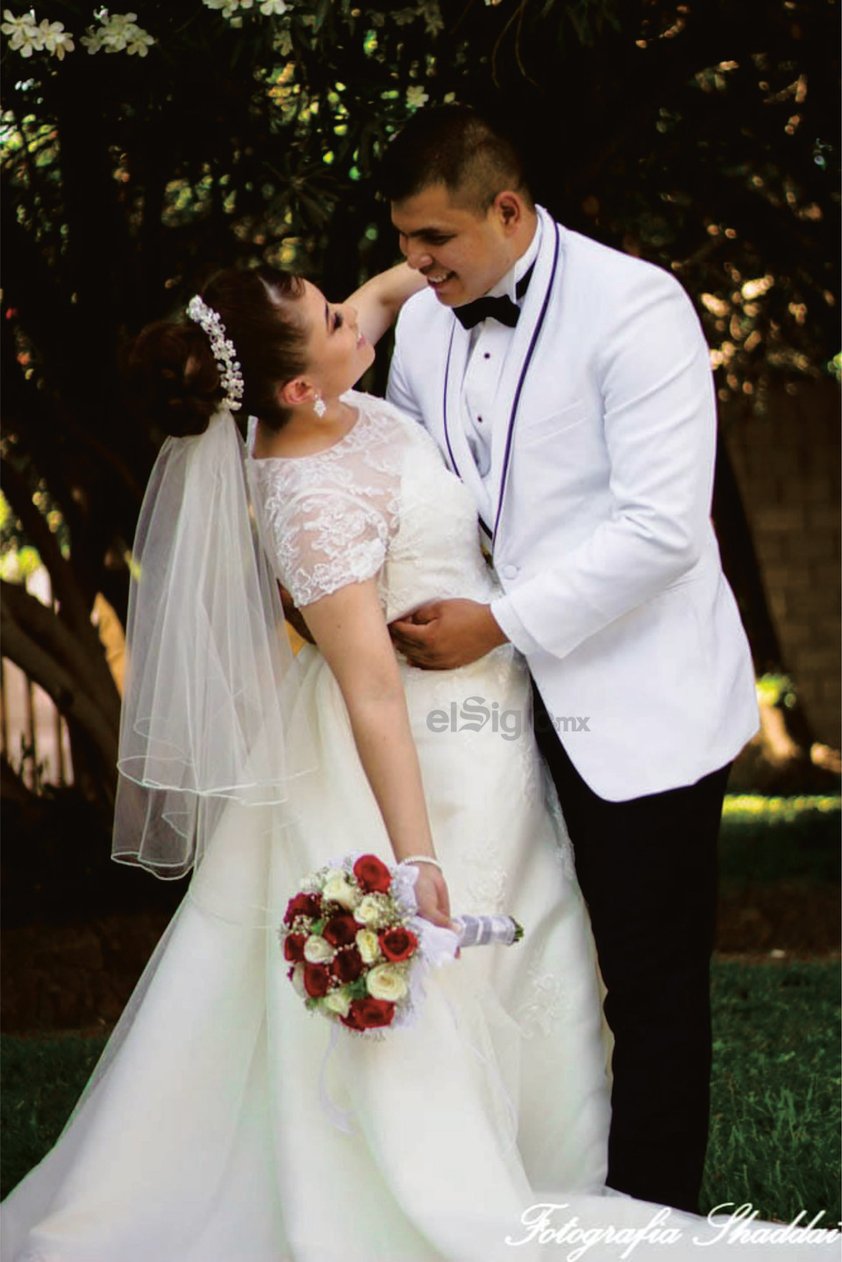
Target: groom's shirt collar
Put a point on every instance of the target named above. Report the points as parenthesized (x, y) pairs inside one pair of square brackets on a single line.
[(507, 285)]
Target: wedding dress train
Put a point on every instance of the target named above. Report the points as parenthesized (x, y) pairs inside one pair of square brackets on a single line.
[(224, 1122)]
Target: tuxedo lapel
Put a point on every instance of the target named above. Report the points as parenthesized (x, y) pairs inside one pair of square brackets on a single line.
[(456, 446), (519, 357)]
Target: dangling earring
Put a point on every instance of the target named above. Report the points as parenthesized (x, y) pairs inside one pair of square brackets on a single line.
[(319, 406)]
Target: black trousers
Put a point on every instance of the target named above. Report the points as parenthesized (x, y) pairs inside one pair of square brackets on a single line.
[(647, 868)]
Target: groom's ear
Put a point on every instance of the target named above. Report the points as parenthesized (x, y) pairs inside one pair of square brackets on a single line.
[(509, 209)]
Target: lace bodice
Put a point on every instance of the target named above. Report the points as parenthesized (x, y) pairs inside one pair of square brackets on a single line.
[(380, 502)]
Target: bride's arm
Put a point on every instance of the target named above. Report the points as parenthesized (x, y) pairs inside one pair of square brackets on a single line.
[(350, 630), (380, 299)]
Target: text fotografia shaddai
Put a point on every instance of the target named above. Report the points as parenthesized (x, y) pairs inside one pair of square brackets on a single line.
[(474, 714), (731, 1223)]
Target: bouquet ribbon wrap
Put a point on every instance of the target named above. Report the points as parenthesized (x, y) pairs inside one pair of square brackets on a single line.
[(488, 930)]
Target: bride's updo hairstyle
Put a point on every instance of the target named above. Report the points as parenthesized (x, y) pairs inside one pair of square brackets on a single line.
[(172, 363)]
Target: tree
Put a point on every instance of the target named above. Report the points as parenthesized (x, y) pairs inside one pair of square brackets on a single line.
[(139, 155)]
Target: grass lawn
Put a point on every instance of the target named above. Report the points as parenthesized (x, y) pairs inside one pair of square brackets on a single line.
[(776, 1115), (41, 1080), (775, 1100)]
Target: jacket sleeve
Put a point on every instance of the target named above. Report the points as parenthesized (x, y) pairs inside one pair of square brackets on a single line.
[(660, 432)]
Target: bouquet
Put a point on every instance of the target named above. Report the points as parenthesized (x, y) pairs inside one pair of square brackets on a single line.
[(357, 948)]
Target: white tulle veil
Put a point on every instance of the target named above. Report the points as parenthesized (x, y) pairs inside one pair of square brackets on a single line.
[(207, 727)]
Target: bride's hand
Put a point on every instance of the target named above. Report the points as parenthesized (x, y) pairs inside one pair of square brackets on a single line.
[(433, 898)]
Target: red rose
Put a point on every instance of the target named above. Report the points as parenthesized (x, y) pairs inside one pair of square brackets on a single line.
[(294, 947), (369, 1014), (340, 930), (316, 980), (398, 943), (302, 905), (347, 965), (372, 874)]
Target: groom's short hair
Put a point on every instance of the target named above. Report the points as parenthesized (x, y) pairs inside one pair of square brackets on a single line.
[(455, 146)]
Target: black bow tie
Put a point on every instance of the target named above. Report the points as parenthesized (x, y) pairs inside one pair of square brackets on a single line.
[(501, 309)]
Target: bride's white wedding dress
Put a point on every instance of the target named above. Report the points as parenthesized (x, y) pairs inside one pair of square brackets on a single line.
[(209, 1132)]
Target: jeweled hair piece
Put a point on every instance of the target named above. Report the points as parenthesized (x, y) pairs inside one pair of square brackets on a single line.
[(222, 348)]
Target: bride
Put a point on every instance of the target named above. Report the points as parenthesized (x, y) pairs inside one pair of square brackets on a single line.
[(224, 1123)]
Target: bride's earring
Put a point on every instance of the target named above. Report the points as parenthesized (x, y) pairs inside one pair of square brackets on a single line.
[(319, 406)]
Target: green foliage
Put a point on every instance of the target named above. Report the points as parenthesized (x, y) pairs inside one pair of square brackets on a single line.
[(776, 690), (18, 564), (751, 810), (774, 838)]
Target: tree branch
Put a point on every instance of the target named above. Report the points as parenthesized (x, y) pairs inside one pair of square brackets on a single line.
[(57, 659), (73, 606), (59, 684)]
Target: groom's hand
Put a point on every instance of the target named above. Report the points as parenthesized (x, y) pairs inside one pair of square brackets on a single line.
[(293, 615), (445, 634)]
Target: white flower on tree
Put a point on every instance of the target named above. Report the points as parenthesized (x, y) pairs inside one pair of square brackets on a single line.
[(28, 36), (116, 33), (22, 31), (55, 39), (93, 40), (229, 8), (416, 97), (139, 44)]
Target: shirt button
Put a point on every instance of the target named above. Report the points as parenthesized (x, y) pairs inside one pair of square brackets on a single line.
[(486, 355), (510, 571), (479, 420)]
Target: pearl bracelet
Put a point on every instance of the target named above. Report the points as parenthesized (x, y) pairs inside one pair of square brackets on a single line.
[(422, 858)]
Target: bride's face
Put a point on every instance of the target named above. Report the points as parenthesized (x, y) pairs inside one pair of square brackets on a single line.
[(338, 352)]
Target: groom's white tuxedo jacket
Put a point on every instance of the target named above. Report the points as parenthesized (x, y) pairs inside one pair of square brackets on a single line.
[(602, 453)]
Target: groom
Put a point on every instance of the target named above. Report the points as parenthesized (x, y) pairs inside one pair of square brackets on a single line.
[(569, 387)]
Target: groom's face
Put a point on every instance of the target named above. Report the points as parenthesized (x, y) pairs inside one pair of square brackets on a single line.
[(461, 251)]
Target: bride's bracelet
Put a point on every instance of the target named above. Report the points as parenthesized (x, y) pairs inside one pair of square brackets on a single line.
[(422, 858)]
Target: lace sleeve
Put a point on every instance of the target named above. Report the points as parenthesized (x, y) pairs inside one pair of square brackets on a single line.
[(325, 539)]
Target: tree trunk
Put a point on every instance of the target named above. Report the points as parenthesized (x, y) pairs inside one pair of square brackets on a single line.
[(69, 668)]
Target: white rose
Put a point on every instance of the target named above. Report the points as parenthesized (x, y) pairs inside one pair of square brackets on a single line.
[(386, 982), (368, 945), (317, 951), (370, 911), (338, 1001), (337, 889)]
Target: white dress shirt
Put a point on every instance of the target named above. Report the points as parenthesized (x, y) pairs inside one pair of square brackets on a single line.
[(486, 363)]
